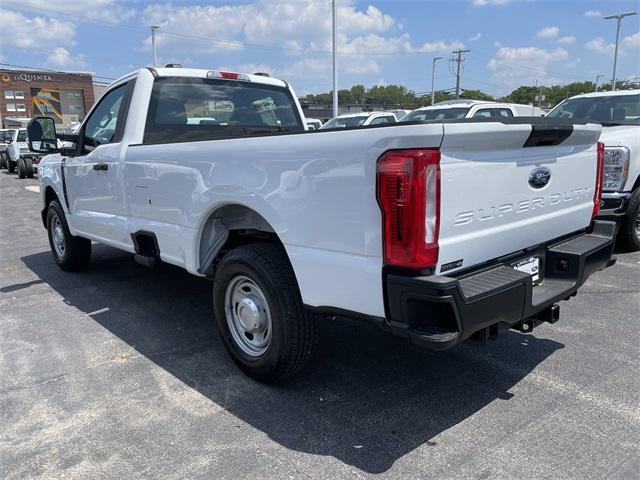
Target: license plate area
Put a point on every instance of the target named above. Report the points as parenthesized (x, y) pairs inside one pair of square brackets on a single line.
[(531, 265)]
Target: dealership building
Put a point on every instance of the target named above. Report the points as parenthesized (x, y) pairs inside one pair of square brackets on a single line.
[(64, 96)]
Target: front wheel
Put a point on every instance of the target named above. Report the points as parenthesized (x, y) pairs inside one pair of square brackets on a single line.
[(70, 253), (630, 229), (265, 328)]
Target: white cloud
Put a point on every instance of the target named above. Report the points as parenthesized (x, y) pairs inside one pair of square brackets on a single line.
[(548, 32), (517, 66), (632, 41), (61, 57), (599, 45), (567, 40), (20, 31), (105, 10), (295, 28), (476, 37), (483, 3), (592, 13)]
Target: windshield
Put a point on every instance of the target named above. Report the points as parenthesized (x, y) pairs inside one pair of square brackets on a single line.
[(22, 136), (6, 135), (193, 109), (345, 122), (613, 110), (435, 114)]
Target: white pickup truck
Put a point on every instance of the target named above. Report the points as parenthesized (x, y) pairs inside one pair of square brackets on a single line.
[(437, 232), (619, 114)]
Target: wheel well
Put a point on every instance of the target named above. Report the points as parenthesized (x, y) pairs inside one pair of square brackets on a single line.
[(49, 196), (637, 184), (228, 227)]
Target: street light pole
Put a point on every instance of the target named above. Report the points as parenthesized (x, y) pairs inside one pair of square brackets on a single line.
[(618, 18), (153, 43), (335, 67), (433, 80), (598, 78)]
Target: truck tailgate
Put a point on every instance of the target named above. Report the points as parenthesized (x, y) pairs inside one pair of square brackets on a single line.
[(507, 187)]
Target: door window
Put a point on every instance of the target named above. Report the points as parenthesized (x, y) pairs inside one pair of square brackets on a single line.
[(106, 121)]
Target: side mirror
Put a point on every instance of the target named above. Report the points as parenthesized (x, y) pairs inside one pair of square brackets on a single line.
[(41, 134)]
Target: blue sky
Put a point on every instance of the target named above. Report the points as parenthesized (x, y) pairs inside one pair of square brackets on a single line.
[(512, 42)]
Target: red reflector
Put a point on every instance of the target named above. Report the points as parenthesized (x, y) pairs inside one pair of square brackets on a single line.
[(597, 194), (229, 75), (409, 196)]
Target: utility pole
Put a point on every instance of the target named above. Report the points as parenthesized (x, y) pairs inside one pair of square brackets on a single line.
[(598, 78), (335, 66), (433, 80), (458, 60), (153, 43), (618, 18)]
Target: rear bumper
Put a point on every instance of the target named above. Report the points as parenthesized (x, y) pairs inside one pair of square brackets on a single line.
[(438, 311), (613, 206)]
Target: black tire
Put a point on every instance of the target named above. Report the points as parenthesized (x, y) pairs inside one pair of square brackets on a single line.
[(22, 169), (3, 159), (29, 170), (76, 254), (11, 166), (294, 330), (629, 233)]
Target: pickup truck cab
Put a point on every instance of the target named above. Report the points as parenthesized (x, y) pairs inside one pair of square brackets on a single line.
[(364, 119), (471, 109), (437, 232), (7, 135), (619, 114), (20, 157)]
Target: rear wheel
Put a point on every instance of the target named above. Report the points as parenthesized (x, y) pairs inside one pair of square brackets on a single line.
[(630, 229), (11, 166), (70, 253), (22, 169), (28, 167), (259, 312)]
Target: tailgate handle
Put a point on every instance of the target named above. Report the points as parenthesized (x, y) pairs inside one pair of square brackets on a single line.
[(101, 166)]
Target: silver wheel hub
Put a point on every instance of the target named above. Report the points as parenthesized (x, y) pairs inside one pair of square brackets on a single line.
[(57, 234), (636, 225), (248, 317)]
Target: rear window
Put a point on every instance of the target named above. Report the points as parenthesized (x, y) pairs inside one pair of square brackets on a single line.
[(435, 114), (345, 122), (22, 136), (192, 109), (618, 109)]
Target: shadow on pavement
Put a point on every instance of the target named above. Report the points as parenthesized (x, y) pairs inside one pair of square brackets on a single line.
[(368, 399)]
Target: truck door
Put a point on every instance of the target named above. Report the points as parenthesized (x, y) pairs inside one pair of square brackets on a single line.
[(94, 176)]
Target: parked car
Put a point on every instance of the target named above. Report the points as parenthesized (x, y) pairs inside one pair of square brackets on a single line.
[(360, 120), (619, 114), (415, 228), (7, 136), (471, 109), (20, 157), (313, 123)]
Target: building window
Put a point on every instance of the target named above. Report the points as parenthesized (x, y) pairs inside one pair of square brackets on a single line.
[(8, 94), (11, 107), (21, 107), (18, 94)]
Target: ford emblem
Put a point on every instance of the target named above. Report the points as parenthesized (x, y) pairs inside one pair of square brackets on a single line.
[(539, 177)]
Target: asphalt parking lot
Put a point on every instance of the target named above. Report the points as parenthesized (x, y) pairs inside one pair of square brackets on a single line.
[(118, 372)]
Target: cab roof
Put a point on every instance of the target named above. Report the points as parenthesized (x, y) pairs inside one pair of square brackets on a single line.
[(616, 93)]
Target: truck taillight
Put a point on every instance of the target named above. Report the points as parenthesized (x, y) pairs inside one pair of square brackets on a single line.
[(597, 194), (409, 196)]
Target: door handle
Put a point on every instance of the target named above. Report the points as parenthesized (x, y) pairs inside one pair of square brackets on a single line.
[(101, 166)]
